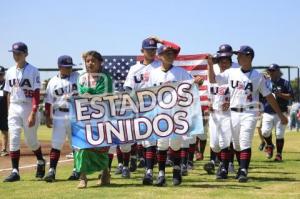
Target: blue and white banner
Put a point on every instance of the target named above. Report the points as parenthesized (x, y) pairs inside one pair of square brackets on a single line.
[(168, 110)]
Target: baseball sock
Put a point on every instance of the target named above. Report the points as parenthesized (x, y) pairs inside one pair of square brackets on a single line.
[(150, 155), (140, 151), (202, 146), (38, 154), (111, 157), (279, 145), (15, 158), (245, 157), (225, 157), (161, 159), (213, 155), (191, 152), (119, 155), (269, 140), (126, 158), (238, 154), (54, 157), (175, 156), (231, 159), (184, 155), (133, 151), (197, 144)]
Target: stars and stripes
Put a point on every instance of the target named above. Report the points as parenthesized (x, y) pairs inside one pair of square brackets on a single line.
[(118, 67)]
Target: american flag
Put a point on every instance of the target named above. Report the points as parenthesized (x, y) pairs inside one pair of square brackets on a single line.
[(118, 67)]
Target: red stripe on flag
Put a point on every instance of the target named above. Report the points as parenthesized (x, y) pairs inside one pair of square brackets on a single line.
[(197, 67), (191, 57)]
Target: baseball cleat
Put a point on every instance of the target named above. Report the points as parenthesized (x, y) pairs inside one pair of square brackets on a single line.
[(13, 177), (125, 173), (119, 169), (169, 163), (3, 153), (231, 168), (133, 166), (262, 146), (40, 169), (278, 158), (177, 178), (184, 170), (50, 177), (141, 163), (269, 151), (161, 181), (190, 165), (148, 179), (243, 176), (209, 168), (74, 176), (221, 174)]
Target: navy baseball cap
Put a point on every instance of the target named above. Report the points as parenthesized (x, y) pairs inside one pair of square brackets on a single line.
[(19, 47), (2, 70), (274, 67), (247, 50), (149, 44), (65, 61), (225, 50)]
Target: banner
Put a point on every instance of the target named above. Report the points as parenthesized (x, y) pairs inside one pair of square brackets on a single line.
[(168, 110)]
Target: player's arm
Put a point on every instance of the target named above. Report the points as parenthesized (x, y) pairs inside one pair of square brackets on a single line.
[(272, 101), (167, 43), (48, 108), (210, 70), (35, 106), (287, 95), (7, 94)]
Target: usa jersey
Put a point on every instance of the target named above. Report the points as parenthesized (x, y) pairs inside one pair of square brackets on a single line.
[(21, 83), (244, 87), (158, 76), (59, 90), (138, 75)]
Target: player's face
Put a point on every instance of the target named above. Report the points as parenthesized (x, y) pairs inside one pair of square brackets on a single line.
[(2, 75), (92, 64), (65, 71), (149, 54), (274, 74), (19, 57), (168, 57), (224, 63), (244, 60)]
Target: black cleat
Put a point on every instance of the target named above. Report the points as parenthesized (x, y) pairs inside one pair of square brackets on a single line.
[(148, 179), (50, 177), (142, 163), (190, 165), (243, 176), (119, 170), (177, 178), (125, 173), (74, 176), (184, 170), (133, 166), (161, 181), (40, 170), (209, 168), (221, 174), (13, 177), (262, 146), (169, 163)]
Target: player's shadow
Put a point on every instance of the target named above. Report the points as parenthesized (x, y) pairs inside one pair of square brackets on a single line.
[(219, 186), (273, 172), (275, 179)]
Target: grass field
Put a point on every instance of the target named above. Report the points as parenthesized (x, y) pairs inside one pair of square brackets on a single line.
[(267, 180)]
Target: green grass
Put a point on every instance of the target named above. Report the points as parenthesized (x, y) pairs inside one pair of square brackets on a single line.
[(267, 180)]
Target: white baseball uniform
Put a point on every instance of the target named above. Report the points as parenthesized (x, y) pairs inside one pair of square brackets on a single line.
[(58, 91), (244, 91), (158, 77), (137, 78), (21, 84)]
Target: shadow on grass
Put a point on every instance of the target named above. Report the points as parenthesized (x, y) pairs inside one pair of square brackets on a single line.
[(269, 179), (272, 172)]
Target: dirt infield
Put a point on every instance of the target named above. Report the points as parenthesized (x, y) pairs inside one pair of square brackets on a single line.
[(28, 159)]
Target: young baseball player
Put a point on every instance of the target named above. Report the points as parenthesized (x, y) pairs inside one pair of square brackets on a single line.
[(163, 74), (59, 89), (3, 116), (22, 85), (245, 84), (282, 91)]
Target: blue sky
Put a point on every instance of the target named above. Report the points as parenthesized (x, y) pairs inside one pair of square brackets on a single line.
[(53, 28)]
